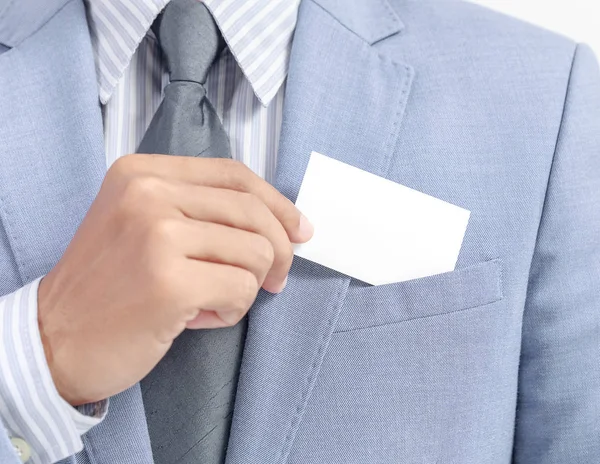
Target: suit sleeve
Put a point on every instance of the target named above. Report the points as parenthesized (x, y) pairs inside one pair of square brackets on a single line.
[(558, 411), (35, 419)]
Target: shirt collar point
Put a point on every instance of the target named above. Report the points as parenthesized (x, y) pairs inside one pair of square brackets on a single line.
[(265, 99), (266, 95), (104, 94)]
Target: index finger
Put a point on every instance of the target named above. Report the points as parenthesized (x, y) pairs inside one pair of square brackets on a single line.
[(227, 174)]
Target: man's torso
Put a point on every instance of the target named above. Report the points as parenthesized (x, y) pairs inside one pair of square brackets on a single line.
[(333, 370)]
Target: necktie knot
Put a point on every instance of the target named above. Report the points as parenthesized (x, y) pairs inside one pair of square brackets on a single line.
[(189, 38)]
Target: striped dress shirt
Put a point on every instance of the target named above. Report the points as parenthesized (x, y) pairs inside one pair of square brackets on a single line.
[(246, 87)]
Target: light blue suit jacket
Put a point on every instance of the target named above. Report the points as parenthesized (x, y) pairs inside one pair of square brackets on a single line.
[(496, 362)]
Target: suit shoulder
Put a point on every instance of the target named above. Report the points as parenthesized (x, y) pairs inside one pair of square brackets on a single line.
[(456, 22)]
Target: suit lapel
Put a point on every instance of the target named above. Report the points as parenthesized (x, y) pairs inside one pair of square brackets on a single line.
[(345, 100), (20, 19), (51, 166), (51, 148)]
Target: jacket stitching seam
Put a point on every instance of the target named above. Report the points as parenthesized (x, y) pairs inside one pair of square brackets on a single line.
[(310, 380)]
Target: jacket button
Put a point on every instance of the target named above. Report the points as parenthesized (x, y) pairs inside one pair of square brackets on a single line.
[(21, 448)]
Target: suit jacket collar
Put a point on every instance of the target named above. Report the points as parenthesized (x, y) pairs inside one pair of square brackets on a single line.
[(371, 20), (345, 100)]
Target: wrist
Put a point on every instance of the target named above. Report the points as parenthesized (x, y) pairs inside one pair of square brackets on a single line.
[(35, 395), (51, 336)]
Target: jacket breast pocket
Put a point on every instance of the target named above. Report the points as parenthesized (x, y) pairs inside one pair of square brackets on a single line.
[(467, 288), (423, 368)]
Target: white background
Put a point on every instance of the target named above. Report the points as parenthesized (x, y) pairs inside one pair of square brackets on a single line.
[(578, 19)]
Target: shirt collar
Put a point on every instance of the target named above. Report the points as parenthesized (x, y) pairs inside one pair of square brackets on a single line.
[(258, 32)]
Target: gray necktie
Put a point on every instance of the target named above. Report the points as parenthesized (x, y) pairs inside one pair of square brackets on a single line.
[(189, 396)]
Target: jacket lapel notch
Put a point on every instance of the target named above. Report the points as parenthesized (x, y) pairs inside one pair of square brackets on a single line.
[(372, 20), (345, 100)]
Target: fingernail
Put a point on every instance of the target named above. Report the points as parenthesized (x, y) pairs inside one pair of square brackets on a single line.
[(280, 289), (305, 229)]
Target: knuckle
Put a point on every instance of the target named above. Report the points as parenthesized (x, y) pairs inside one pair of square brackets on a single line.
[(125, 165), (142, 188), (162, 231), (232, 318), (287, 252), (250, 205), (290, 215), (238, 174), (246, 289), (253, 203), (245, 199), (138, 194), (264, 252)]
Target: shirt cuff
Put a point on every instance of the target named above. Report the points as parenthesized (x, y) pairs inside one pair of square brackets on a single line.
[(30, 405), (86, 416)]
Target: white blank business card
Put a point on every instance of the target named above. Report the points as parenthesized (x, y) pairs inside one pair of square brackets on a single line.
[(376, 230)]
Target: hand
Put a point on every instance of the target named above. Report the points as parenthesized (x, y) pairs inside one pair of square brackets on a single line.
[(169, 243)]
